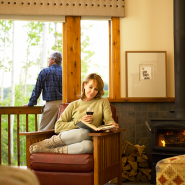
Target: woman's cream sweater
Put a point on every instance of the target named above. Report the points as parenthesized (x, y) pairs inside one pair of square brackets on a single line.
[(77, 109)]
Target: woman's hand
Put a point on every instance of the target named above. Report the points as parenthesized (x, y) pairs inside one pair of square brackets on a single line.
[(87, 118), (115, 129)]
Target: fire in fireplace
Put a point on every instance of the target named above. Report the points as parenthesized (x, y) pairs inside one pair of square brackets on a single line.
[(168, 136)]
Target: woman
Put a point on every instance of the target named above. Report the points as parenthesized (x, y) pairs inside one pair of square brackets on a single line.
[(72, 139)]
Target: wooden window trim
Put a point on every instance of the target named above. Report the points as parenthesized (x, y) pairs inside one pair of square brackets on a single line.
[(114, 59), (72, 59), (72, 63)]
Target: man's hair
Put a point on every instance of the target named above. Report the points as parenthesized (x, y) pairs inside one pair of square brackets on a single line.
[(57, 56), (100, 85)]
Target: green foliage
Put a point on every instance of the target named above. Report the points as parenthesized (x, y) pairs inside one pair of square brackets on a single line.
[(4, 140), (106, 94), (58, 45), (5, 26), (86, 61), (34, 30)]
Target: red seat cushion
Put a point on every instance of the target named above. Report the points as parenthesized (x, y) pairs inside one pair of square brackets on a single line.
[(62, 162)]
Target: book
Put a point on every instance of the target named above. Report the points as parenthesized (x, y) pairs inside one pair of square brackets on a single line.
[(92, 128)]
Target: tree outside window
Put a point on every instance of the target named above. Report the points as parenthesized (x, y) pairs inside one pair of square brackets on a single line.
[(95, 50)]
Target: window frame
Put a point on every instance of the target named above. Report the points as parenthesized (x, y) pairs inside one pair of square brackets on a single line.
[(72, 59)]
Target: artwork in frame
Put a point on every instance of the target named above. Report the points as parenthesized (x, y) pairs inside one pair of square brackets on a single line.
[(146, 74), (145, 71)]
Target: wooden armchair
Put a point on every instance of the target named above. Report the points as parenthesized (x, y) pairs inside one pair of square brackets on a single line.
[(79, 169)]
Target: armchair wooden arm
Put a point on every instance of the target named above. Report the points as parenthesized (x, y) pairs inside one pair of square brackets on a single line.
[(107, 156), (34, 137)]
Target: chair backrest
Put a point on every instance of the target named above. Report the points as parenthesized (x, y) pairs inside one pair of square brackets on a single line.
[(62, 108), (113, 109)]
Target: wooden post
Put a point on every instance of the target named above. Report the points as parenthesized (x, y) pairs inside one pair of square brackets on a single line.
[(115, 90), (72, 60), (64, 81)]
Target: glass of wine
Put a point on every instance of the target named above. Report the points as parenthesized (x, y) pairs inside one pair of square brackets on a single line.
[(89, 111)]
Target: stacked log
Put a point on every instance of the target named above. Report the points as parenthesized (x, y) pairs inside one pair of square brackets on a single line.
[(134, 164)]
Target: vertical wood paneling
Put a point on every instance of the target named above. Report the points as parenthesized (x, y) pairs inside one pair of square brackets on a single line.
[(36, 127), (26, 122), (73, 58), (0, 139), (9, 141), (115, 62), (64, 79), (18, 140), (97, 164), (110, 59)]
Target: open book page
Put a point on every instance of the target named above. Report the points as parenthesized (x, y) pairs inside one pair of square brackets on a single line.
[(92, 128), (105, 127)]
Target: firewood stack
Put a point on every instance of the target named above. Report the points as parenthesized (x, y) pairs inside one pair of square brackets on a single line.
[(134, 164)]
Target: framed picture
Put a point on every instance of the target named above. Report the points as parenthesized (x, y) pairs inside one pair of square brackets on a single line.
[(146, 74)]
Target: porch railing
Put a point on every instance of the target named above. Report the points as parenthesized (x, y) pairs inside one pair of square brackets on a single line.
[(17, 111)]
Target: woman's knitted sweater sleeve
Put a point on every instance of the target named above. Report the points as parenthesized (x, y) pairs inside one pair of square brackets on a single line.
[(107, 113), (65, 122)]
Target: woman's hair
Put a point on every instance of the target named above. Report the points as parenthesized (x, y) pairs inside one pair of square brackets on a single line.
[(57, 56), (100, 85)]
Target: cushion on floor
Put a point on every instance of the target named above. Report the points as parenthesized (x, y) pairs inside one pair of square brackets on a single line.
[(171, 171)]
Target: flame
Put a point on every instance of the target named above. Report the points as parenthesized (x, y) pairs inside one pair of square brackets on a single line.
[(163, 142), (169, 133), (183, 133)]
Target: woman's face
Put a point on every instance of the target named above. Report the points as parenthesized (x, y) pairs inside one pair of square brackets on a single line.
[(91, 90)]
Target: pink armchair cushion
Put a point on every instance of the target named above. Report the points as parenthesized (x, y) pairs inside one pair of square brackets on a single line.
[(62, 162)]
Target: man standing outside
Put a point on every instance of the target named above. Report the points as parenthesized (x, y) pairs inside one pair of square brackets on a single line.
[(49, 81)]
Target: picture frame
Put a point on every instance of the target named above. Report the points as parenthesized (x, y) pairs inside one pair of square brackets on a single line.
[(146, 74)]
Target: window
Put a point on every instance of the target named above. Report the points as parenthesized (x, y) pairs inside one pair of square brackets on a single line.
[(95, 50), (33, 42)]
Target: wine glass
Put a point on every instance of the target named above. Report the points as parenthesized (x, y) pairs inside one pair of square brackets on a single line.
[(89, 111)]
